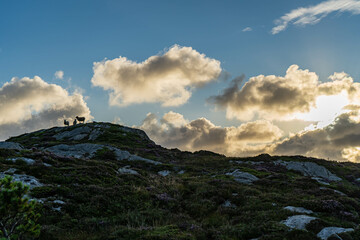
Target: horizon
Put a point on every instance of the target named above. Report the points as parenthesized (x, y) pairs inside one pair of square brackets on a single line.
[(235, 78)]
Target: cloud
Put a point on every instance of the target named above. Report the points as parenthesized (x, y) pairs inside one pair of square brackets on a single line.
[(30, 104), (340, 140), (167, 79), (313, 14), (59, 74), (247, 29), (174, 131), (284, 98)]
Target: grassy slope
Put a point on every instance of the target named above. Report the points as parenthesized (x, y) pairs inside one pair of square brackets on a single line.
[(102, 204)]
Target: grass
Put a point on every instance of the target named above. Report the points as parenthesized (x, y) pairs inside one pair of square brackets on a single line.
[(100, 203)]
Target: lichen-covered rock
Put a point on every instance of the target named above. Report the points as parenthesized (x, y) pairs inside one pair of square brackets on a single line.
[(243, 177), (325, 233), (298, 209), (309, 169), (11, 145), (298, 221)]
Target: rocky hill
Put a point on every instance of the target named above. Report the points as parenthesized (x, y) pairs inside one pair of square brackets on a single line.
[(106, 181)]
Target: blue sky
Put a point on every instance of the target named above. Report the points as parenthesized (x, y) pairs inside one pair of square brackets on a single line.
[(39, 38)]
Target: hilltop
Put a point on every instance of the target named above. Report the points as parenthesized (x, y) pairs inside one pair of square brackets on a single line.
[(106, 181)]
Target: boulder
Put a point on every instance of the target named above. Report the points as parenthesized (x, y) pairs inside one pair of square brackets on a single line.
[(325, 233), (298, 221), (319, 173), (243, 177), (298, 209), (11, 145)]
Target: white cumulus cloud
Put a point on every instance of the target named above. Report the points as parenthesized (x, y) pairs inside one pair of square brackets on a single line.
[(30, 104), (174, 131), (289, 97), (168, 78)]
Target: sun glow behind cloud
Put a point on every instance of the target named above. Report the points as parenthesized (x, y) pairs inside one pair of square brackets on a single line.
[(325, 110)]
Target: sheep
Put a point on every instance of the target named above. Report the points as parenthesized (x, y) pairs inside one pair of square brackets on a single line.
[(80, 119), (66, 123), (75, 122)]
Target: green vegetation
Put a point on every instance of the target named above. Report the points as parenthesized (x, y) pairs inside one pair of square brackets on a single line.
[(18, 217), (89, 199)]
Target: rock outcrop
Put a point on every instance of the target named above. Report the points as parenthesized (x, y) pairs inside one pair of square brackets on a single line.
[(298, 221), (242, 177), (11, 145), (317, 172), (88, 150), (325, 233)]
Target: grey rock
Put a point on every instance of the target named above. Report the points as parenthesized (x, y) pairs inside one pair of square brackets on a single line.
[(88, 150), (334, 190), (77, 150), (228, 204), (298, 221), (164, 173), (298, 209), (59, 202), (11, 145), (138, 158), (243, 177), (309, 169), (58, 209), (75, 134), (181, 172), (325, 233), (320, 180), (10, 170), (25, 179), (127, 170), (95, 134), (28, 161), (47, 165), (79, 137)]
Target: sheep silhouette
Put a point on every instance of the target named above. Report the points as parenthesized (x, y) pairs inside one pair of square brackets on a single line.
[(75, 122), (80, 119), (66, 123)]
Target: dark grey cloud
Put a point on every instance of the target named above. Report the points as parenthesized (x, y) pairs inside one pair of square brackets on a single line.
[(336, 141)]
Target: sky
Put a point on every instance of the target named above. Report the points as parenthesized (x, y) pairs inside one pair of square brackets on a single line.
[(235, 77)]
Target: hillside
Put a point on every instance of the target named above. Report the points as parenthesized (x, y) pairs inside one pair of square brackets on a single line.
[(106, 181)]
